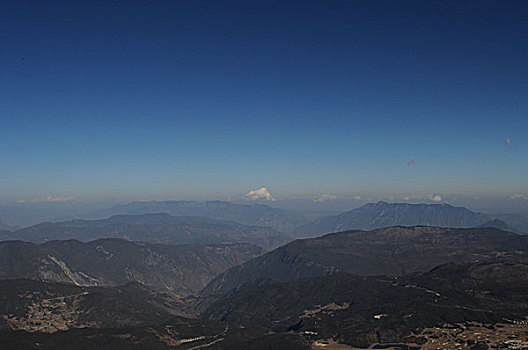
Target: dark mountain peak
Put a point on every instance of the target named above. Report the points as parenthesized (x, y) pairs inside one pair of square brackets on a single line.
[(497, 223), (382, 207), (382, 214)]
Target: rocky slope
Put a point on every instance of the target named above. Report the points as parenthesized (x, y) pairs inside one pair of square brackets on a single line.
[(183, 269), (37, 306)]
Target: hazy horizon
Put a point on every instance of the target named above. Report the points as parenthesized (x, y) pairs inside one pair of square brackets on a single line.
[(26, 213)]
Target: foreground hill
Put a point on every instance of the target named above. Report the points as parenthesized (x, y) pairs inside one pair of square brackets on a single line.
[(182, 270), (44, 315), (177, 333), (50, 307), (381, 214), (154, 228), (388, 251), (413, 310), (255, 214), (458, 305), (300, 296)]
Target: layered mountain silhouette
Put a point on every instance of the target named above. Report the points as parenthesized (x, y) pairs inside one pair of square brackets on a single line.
[(255, 214), (180, 270), (154, 228), (396, 287), (382, 214)]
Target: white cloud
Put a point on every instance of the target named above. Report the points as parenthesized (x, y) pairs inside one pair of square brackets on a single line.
[(435, 197), (325, 197), (260, 193), (411, 162), (357, 197), (519, 196), (48, 199)]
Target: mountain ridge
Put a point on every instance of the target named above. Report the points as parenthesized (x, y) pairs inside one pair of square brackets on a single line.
[(246, 214), (394, 250), (154, 228)]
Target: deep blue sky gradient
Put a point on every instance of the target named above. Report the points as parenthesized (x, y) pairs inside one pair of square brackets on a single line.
[(208, 99)]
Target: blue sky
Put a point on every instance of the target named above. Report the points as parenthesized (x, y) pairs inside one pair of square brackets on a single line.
[(209, 99)]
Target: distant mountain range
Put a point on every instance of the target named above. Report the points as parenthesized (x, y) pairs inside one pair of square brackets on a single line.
[(32, 213), (255, 214), (367, 217), (180, 270), (388, 251), (153, 228), (382, 214)]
